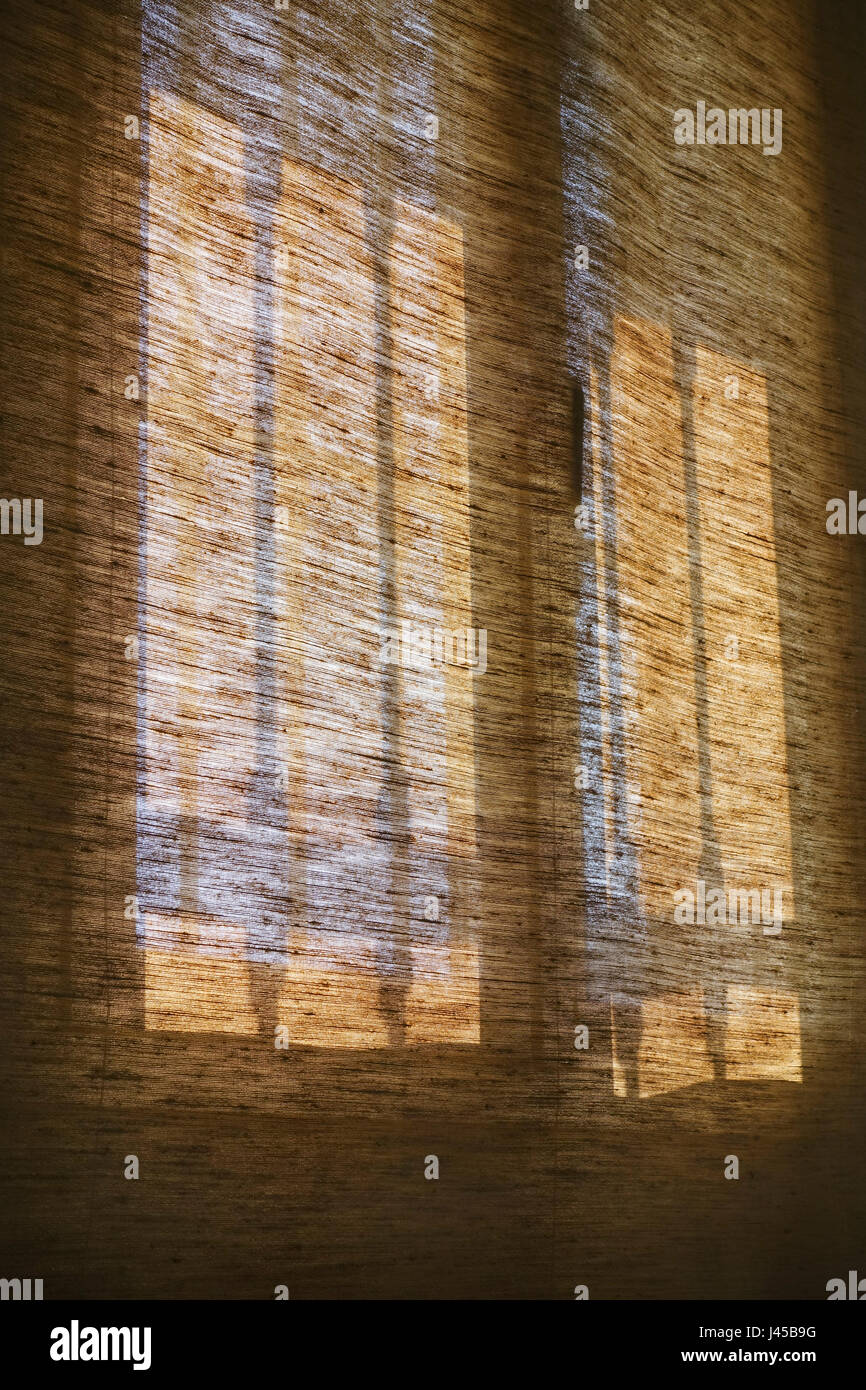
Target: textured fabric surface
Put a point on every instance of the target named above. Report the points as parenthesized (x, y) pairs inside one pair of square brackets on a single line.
[(357, 771)]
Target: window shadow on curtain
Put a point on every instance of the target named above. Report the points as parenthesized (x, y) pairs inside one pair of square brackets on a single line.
[(683, 717), (308, 764)]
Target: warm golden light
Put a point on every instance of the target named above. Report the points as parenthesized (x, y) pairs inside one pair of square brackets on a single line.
[(672, 1049), (762, 1035), (199, 671), (199, 609), (432, 518), (605, 621), (745, 684), (326, 498), (335, 748), (758, 1033), (654, 614), (695, 614)]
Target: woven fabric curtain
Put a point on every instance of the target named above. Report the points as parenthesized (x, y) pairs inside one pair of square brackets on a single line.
[(433, 710)]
